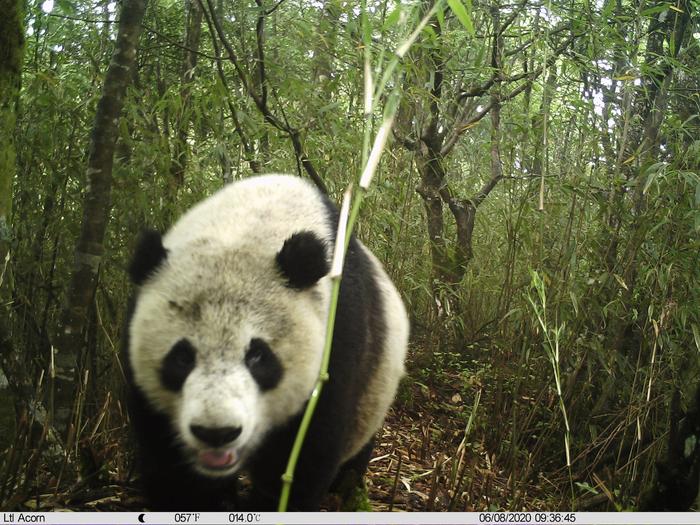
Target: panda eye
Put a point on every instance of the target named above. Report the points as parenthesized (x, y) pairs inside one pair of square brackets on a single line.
[(254, 355), (177, 365), (183, 358), (256, 352), (263, 364)]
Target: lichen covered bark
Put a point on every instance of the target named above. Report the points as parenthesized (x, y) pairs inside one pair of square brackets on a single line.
[(11, 51), (97, 196)]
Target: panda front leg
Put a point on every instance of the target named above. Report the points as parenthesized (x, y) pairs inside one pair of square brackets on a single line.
[(312, 479), (174, 488), (351, 475), (317, 467)]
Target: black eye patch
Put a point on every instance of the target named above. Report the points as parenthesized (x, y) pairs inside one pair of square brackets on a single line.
[(263, 364), (177, 365)]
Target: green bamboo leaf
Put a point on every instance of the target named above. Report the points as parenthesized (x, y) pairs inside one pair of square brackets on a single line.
[(433, 34), (393, 18), (607, 10), (652, 10), (574, 301), (440, 15), (66, 6), (653, 171), (463, 14)]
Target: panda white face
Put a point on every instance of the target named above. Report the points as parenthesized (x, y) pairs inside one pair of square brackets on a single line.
[(227, 342)]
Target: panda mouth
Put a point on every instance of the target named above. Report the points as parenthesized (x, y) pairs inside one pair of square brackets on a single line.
[(217, 460)]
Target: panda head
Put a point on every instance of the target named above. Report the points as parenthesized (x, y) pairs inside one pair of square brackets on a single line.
[(226, 341)]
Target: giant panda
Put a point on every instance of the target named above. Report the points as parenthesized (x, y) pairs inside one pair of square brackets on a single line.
[(223, 348)]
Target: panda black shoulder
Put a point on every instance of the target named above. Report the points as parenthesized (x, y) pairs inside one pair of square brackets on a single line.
[(360, 302), (148, 256)]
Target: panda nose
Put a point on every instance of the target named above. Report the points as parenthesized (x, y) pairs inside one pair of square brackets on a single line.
[(215, 436)]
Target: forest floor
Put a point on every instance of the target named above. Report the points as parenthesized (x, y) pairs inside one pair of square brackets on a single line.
[(428, 457)]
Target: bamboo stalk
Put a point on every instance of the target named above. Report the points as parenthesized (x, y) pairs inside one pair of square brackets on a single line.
[(346, 223), (336, 273)]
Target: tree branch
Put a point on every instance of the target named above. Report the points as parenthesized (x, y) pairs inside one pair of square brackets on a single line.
[(273, 8), (260, 41), (250, 154), (508, 21), (466, 124), (496, 164), (260, 101), (409, 144)]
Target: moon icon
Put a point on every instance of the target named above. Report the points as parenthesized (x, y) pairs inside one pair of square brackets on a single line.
[(141, 520)]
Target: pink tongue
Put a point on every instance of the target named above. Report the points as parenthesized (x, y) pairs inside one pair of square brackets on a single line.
[(216, 459)]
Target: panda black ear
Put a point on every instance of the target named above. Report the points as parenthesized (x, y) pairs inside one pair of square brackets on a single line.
[(302, 260), (148, 256)]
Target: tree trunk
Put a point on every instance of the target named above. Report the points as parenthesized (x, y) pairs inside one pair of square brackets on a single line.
[(11, 55), (436, 193), (96, 205)]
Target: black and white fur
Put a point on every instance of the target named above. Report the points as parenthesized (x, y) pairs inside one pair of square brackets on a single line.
[(224, 346)]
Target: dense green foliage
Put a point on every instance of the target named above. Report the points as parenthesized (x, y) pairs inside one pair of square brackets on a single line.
[(538, 208)]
